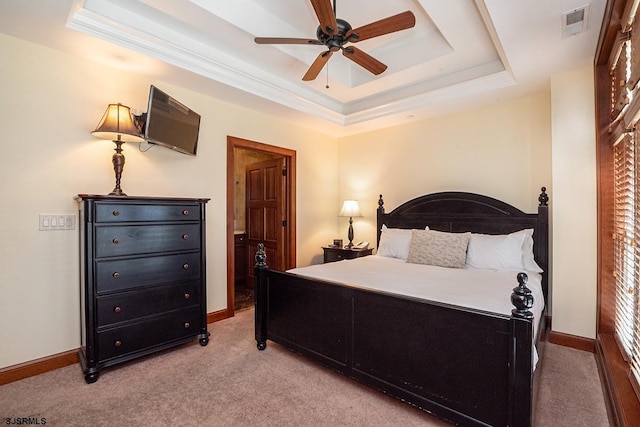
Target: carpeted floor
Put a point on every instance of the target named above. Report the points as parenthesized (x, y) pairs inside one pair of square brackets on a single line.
[(231, 383)]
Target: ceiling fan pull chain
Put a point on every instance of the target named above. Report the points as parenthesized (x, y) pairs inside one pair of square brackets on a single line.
[(327, 87)]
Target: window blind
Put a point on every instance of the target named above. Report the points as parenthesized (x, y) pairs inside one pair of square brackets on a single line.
[(626, 214), (624, 240), (632, 296), (620, 78)]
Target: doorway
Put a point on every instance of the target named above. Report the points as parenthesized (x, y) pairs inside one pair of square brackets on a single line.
[(240, 153)]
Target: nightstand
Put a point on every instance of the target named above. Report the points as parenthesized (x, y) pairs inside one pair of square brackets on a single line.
[(336, 253)]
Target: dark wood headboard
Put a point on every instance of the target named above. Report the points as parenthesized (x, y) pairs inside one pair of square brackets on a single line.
[(459, 212)]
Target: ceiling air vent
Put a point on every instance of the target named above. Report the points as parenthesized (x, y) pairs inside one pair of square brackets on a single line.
[(575, 21)]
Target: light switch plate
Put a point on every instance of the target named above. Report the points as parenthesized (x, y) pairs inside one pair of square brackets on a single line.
[(49, 222)]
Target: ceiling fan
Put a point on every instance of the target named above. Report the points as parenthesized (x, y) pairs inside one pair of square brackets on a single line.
[(334, 33)]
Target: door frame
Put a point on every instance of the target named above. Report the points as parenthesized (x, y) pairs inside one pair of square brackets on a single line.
[(290, 207)]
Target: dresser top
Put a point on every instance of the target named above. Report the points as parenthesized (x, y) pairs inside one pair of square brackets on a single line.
[(81, 197)]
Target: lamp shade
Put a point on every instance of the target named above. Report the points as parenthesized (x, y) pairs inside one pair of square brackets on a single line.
[(117, 124), (350, 208)]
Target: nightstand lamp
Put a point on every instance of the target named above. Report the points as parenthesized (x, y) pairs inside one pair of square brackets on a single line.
[(350, 208), (117, 124)]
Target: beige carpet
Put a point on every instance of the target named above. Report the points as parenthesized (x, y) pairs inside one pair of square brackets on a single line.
[(231, 383)]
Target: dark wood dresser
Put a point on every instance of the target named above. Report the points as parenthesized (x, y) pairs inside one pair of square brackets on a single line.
[(142, 274)]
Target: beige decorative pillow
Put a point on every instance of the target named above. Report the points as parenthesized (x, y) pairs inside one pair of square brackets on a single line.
[(438, 248)]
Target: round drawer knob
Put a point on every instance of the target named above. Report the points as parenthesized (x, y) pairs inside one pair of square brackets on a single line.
[(185, 237), (116, 275), (116, 241), (187, 325), (116, 213), (118, 343), (185, 266), (185, 212), (117, 309), (187, 296)]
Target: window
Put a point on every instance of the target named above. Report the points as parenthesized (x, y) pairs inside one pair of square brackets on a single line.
[(617, 72), (626, 250), (624, 113)]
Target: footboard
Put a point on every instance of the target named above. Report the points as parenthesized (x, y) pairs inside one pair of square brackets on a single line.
[(468, 366)]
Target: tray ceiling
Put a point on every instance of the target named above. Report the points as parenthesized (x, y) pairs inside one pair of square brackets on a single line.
[(460, 53)]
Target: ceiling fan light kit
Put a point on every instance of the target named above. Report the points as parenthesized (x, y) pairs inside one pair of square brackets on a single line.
[(334, 33)]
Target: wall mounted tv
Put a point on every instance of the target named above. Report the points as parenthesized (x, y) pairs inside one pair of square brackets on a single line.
[(170, 123)]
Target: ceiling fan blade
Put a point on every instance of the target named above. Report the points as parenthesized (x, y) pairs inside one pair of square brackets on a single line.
[(364, 60), (325, 15), (317, 66), (284, 40), (394, 23)]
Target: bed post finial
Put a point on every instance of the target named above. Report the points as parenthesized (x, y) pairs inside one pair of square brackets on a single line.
[(380, 203), (543, 198), (261, 257), (522, 299)]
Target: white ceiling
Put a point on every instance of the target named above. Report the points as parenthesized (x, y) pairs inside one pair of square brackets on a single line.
[(460, 54)]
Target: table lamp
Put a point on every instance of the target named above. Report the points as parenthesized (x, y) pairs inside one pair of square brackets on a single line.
[(350, 208), (116, 124)]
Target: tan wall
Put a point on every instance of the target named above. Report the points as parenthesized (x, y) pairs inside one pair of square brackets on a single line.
[(574, 209), (503, 151), (49, 105)]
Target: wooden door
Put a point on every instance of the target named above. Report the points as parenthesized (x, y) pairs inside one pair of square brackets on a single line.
[(266, 215)]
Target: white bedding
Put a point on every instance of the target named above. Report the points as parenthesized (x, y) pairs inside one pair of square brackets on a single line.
[(488, 290)]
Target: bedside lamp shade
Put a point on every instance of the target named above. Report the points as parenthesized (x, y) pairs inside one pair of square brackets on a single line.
[(117, 125), (350, 208)]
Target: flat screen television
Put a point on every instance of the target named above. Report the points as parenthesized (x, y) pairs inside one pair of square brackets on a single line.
[(170, 123)]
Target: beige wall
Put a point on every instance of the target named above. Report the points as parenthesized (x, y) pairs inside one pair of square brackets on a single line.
[(49, 105), (51, 101), (503, 151), (574, 208)]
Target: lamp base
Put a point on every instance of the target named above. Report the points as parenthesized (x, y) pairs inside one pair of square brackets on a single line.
[(350, 233), (117, 192), (118, 167)]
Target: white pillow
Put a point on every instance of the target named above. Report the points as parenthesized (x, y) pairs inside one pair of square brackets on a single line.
[(528, 259), (394, 242), (502, 252), (495, 252)]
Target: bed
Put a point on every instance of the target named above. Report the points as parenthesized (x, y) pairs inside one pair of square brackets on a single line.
[(467, 364)]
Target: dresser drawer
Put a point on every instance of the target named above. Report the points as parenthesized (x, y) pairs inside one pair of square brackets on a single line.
[(111, 212), (333, 254), (141, 239), (131, 305), (121, 274), (149, 333)]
